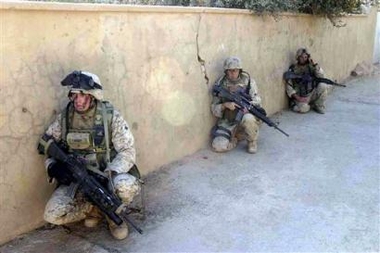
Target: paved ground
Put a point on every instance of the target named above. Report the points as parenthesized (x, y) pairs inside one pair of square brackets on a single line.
[(316, 191)]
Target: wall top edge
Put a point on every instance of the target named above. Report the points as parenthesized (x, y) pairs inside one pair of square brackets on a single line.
[(60, 6), (97, 7)]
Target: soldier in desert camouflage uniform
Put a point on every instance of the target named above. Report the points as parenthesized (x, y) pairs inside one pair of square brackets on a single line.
[(97, 133), (303, 95), (227, 131)]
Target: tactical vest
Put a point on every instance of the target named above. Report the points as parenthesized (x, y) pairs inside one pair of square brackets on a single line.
[(89, 135), (303, 87), (242, 83)]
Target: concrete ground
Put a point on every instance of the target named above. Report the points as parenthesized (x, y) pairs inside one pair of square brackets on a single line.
[(316, 191)]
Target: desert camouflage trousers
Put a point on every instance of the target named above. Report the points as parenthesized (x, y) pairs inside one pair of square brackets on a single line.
[(62, 208), (316, 98), (247, 129)]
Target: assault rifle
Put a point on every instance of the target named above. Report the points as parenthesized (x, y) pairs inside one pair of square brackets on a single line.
[(242, 99), (308, 78), (107, 202)]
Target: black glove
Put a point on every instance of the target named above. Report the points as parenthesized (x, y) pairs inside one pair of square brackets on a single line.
[(60, 172)]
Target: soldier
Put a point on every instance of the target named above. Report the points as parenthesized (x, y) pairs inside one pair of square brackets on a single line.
[(228, 131), (304, 93), (97, 133)]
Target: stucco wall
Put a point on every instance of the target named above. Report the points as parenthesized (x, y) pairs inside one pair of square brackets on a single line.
[(154, 63)]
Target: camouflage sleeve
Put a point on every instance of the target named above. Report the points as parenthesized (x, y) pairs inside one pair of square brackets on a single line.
[(55, 128), (289, 84), (216, 105), (123, 143), (316, 70), (289, 88), (319, 71), (254, 93)]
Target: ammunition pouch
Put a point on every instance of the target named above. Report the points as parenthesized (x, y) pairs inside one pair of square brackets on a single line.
[(305, 88), (79, 141), (306, 85)]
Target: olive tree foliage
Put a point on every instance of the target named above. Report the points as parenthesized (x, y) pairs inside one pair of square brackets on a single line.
[(263, 5), (329, 8), (317, 7), (332, 9)]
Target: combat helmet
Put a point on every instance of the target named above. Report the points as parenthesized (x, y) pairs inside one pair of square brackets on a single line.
[(300, 51), (232, 62), (84, 82)]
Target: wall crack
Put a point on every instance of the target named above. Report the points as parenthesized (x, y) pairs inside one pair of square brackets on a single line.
[(199, 58)]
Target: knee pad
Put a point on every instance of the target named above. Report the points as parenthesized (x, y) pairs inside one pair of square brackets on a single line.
[(322, 87), (301, 108), (221, 144)]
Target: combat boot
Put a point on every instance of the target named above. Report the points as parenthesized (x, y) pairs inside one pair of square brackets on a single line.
[(118, 232), (252, 147), (240, 136), (319, 109), (93, 218)]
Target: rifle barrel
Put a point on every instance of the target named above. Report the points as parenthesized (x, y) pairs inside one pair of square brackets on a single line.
[(127, 220), (279, 129)]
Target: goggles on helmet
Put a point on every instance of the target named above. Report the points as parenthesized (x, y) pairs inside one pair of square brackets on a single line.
[(78, 80)]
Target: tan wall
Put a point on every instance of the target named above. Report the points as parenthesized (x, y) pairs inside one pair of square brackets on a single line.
[(147, 59)]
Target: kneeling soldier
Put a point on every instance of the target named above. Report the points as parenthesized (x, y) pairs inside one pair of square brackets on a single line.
[(96, 133)]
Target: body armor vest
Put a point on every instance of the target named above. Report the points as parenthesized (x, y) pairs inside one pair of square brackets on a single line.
[(88, 135), (241, 84), (305, 86)]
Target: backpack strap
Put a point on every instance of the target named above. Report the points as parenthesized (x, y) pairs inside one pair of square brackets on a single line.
[(107, 110), (64, 121), (248, 88)]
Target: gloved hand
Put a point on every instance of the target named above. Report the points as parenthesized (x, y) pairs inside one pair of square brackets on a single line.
[(230, 105), (312, 62), (59, 171)]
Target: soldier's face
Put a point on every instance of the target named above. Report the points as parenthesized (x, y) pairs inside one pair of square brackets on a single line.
[(82, 102), (233, 74), (303, 58)]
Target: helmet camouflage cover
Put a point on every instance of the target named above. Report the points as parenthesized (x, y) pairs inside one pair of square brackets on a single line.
[(232, 62), (301, 51), (84, 82)]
